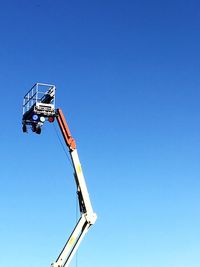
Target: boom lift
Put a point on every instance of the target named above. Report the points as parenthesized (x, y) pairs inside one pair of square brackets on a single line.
[(39, 105)]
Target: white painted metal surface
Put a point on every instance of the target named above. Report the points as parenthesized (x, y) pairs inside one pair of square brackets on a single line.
[(88, 217)]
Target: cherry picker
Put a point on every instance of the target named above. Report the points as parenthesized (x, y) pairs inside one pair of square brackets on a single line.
[(38, 107)]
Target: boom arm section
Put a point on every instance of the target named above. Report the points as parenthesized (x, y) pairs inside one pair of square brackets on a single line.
[(88, 217)]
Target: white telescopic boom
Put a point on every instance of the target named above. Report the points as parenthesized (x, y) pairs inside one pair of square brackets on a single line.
[(88, 217)]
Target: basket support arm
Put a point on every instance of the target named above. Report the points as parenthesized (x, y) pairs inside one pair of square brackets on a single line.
[(88, 217)]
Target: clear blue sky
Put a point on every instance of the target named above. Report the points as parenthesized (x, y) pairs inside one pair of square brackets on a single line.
[(128, 80)]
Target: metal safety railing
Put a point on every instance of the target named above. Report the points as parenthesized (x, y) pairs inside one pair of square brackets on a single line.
[(36, 95)]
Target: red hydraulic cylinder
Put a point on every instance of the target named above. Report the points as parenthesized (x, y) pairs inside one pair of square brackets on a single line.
[(70, 142)]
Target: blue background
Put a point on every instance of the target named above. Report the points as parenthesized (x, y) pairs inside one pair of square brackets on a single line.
[(128, 79)]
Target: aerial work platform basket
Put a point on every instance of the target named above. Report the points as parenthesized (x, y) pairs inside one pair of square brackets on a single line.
[(38, 104)]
